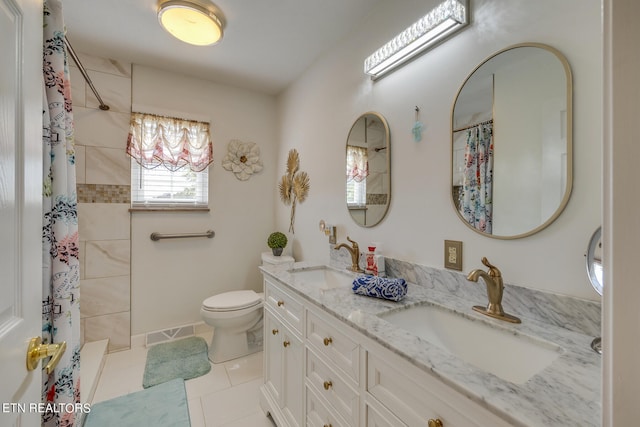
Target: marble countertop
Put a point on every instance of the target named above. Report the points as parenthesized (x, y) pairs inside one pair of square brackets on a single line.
[(565, 393)]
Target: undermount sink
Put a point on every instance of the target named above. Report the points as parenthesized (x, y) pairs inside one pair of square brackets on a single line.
[(510, 356), (322, 277)]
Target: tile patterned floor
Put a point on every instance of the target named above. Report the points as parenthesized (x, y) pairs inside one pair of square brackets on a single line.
[(228, 396)]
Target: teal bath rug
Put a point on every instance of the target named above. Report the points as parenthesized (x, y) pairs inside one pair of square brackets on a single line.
[(164, 405), (185, 358)]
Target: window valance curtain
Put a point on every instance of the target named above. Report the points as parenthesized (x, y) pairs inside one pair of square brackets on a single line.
[(168, 141), (357, 163)]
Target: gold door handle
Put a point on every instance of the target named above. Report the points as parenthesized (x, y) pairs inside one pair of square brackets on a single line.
[(274, 331), (328, 341), (286, 343), (280, 303), (435, 423), (37, 351), (327, 385)]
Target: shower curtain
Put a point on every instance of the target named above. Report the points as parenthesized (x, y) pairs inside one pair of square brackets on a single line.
[(61, 267), (476, 197)]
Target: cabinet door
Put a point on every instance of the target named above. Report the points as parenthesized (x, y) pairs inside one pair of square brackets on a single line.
[(292, 378), (273, 350)]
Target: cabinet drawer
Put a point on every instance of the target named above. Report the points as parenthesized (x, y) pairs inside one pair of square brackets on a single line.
[(330, 384), (286, 306), (335, 346), (414, 396), (318, 415), (377, 416)]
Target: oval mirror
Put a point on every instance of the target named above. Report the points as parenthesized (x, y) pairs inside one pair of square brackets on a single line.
[(594, 272), (512, 142), (368, 169)]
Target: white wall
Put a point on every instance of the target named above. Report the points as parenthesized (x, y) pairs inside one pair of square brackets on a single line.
[(317, 112), (171, 278)]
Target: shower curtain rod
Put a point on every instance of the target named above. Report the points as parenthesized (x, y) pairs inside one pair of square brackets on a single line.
[(474, 125), (75, 58)]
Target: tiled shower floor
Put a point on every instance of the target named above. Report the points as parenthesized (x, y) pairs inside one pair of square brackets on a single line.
[(227, 396)]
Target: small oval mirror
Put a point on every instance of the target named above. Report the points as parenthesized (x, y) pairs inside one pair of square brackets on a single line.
[(368, 169)]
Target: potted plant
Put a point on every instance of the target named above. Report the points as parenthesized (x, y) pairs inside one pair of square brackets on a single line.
[(277, 241)]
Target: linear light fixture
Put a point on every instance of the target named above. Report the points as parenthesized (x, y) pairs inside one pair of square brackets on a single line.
[(447, 18), (197, 22)]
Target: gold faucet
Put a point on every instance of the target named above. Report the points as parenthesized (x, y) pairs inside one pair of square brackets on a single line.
[(495, 287), (354, 250)]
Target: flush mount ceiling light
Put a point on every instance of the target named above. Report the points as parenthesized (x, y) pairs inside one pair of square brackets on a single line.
[(447, 18), (195, 22)]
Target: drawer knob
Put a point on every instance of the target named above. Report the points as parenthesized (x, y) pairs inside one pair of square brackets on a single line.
[(327, 425), (280, 303), (327, 385), (274, 331), (286, 344), (435, 423), (328, 341)]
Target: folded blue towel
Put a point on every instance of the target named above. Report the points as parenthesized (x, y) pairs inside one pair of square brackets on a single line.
[(380, 287)]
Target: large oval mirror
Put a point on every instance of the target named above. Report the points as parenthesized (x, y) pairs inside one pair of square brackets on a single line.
[(368, 176), (512, 142)]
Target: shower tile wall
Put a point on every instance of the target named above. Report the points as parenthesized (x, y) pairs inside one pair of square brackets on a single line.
[(103, 184)]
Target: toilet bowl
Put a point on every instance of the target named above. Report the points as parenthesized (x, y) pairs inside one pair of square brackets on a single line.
[(236, 318)]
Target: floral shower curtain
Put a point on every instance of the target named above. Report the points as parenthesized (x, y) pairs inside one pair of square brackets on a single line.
[(476, 198), (61, 267)]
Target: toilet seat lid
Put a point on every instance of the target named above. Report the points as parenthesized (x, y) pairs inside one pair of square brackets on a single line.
[(233, 300)]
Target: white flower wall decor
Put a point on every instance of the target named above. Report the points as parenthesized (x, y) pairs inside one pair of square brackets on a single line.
[(243, 159)]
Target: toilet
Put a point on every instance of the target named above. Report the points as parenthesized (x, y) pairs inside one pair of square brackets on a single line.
[(236, 317)]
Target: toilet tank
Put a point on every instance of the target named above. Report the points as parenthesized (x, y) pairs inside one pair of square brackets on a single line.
[(269, 259)]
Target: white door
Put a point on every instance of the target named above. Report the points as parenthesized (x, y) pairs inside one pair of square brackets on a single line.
[(20, 207)]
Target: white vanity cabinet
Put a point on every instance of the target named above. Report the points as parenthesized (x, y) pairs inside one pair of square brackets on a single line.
[(282, 392), (338, 377)]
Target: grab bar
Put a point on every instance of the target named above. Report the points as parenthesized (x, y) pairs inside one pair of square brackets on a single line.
[(157, 236)]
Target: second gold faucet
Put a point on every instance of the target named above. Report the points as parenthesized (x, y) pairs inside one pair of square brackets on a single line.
[(495, 288)]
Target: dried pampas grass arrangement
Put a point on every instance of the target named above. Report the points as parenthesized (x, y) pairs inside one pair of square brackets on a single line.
[(294, 185)]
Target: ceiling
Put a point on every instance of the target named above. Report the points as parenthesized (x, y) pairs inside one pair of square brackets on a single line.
[(267, 43)]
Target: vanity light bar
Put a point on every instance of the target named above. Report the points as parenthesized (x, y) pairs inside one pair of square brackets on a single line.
[(448, 17)]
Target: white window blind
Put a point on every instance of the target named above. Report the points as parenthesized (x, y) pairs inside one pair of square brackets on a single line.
[(160, 187)]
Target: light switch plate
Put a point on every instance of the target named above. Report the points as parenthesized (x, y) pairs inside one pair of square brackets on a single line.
[(453, 254)]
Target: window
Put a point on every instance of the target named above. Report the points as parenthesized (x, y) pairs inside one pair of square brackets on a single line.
[(169, 161), (161, 187)]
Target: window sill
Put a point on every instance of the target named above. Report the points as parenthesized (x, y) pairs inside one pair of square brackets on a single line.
[(168, 209)]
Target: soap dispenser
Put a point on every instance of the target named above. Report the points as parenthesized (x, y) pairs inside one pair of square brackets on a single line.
[(374, 261), (371, 267)]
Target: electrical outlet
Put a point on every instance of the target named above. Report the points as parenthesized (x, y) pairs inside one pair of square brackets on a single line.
[(453, 254)]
